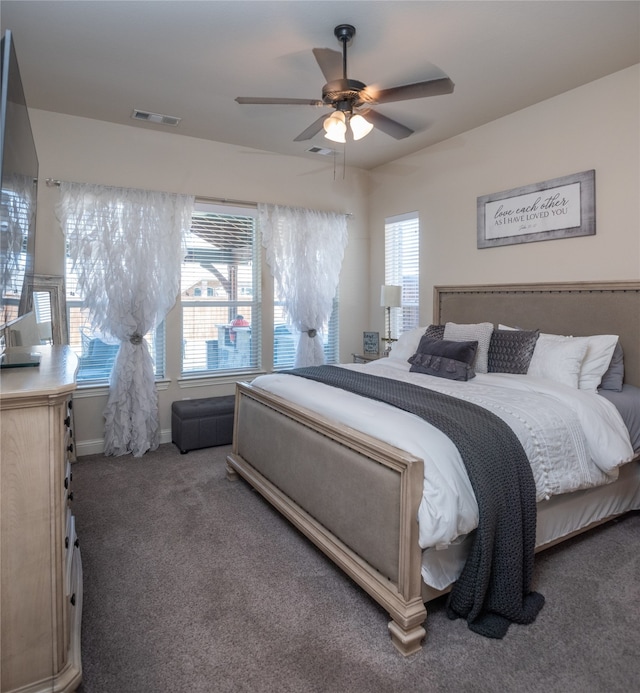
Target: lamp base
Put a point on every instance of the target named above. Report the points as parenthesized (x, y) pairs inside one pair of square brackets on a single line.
[(389, 341)]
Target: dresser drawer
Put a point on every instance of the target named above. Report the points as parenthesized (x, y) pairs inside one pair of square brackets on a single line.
[(72, 546), (67, 490), (74, 615), (69, 443)]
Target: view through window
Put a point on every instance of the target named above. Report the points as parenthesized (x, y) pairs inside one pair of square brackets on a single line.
[(220, 290)]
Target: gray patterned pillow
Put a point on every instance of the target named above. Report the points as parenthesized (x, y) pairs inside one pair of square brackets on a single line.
[(444, 358), (510, 351), (434, 332)]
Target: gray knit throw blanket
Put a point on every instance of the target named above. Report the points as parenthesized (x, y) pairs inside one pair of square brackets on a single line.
[(493, 589)]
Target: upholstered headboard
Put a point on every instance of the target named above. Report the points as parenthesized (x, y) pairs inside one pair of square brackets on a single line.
[(577, 309)]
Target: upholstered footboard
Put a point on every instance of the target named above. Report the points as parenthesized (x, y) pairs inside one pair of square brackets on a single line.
[(355, 497)]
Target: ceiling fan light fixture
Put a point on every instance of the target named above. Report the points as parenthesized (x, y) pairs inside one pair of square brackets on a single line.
[(336, 127), (360, 126)]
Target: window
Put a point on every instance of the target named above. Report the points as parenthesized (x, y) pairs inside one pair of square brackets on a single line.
[(220, 302), (402, 268), (285, 340), (220, 291), (96, 352)]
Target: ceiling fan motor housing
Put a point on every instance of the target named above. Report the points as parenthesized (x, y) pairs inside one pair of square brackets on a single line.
[(350, 90)]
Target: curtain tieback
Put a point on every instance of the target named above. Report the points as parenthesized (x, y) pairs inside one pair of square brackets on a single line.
[(312, 332), (136, 338)]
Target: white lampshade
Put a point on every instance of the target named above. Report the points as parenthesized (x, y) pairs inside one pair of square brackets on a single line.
[(390, 296), (336, 127), (359, 126)]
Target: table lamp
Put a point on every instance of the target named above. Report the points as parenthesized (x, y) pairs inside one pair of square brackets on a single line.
[(390, 297)]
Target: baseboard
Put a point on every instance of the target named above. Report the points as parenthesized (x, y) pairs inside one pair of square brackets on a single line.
[(96, 446)]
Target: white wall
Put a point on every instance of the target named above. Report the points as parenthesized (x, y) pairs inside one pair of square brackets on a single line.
[(596, 126), (84, 150)]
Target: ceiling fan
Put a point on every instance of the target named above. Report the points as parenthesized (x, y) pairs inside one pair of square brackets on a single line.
[(352, 100)]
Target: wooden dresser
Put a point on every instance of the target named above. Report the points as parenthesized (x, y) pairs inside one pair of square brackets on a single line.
[(40, 566)]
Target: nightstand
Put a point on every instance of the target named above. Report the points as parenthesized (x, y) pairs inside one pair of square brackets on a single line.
[(365, 358)]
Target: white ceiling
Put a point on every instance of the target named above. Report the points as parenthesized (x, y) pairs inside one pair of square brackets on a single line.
[(101, 59)]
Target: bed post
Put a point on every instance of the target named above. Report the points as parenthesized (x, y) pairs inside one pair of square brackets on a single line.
[(232, 475), (406, 629), (408, 640)]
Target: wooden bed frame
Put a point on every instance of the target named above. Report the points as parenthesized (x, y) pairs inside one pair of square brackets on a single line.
[(355, 497)]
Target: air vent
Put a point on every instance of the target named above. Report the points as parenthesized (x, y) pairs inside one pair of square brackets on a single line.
[(157, 118), (323, 151)]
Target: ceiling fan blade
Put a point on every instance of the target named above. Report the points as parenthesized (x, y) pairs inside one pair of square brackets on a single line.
[(312, 130), (283, 102), (390, 127), (330, 63), (433, 87)]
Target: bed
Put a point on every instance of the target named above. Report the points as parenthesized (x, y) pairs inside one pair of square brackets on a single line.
[(358, 497)]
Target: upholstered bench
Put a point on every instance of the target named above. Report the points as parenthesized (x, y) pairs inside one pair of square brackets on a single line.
[(202, 423)]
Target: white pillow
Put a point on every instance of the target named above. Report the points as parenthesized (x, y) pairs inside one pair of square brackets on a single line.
[(481, 332), (558, 358), (597, 359), (407, 344)]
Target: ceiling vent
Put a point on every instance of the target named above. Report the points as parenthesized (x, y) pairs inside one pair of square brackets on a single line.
[(323, 151), (157, 118)]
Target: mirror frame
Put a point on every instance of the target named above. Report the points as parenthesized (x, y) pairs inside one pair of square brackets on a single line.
[(55, 287)]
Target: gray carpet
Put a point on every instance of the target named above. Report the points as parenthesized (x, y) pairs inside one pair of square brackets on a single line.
[(195, 584)]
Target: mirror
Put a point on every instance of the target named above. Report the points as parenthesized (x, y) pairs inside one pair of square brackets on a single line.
[(46, 297)]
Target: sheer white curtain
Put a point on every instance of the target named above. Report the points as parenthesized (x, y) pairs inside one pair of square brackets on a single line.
[(305, 249), (127, 247)]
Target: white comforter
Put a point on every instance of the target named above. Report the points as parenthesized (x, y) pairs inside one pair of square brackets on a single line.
[(574, 439)]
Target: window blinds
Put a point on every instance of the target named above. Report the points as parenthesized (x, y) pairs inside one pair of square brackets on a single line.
[(402, 268)]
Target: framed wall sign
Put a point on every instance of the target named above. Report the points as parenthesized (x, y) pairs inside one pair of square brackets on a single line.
[(557, 208), (371, 342)]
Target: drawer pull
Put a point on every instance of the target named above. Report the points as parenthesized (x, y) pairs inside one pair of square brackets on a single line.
[(67, 422), (70, 405), (73, 599), (66, 542), (70, 447), (66, 482), (70, 496)]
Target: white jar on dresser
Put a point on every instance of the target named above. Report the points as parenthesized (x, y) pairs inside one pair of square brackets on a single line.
[(40, 567)]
